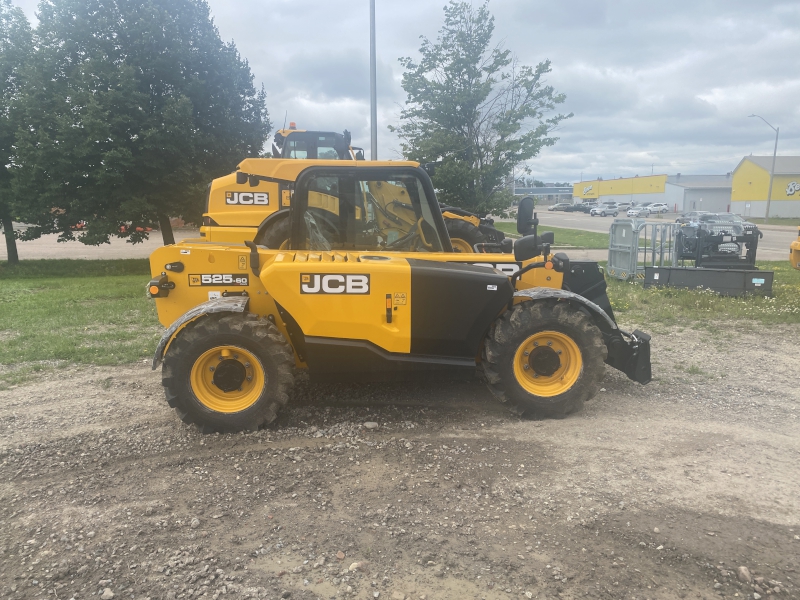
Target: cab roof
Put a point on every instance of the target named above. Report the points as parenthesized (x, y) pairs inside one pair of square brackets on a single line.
[(290, 168)]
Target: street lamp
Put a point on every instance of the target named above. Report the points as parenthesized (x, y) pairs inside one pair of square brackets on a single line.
[(772, 171), (373, 94)]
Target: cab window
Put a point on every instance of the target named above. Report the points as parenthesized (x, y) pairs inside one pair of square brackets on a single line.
[(352, 213)]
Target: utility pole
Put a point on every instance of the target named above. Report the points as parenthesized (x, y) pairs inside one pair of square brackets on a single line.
[(772, 170), (373, 94)]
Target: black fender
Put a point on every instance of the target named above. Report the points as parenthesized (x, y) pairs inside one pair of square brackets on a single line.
[(235, 304), (283, 213), (540, 293)]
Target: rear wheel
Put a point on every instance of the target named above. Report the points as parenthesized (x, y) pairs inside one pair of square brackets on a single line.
[(544, 358), (228, 373), (463, 235), (277, 235)]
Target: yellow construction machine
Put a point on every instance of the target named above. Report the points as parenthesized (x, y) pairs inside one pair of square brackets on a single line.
[(248, 200), (357, 295), (794, 251)]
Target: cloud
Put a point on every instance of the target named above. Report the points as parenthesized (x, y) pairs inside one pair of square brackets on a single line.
[(665, 85)]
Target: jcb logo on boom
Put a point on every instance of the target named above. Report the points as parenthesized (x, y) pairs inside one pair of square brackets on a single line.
[(333, 283), (247, 198)]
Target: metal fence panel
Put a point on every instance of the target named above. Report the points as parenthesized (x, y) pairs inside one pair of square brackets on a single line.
[(634, 244)]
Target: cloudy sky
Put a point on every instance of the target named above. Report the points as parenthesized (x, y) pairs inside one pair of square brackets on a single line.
[(661, 86)]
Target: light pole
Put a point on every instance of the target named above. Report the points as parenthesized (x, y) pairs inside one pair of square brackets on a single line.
[(373, 95), (772, 170)]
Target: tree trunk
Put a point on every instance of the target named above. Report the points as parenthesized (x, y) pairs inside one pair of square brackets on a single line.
[(8, 229), (166, 229)]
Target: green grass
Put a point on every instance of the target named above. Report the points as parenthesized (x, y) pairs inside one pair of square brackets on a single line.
[(564, 237), (706, 309), (57, 313), (792, 221)]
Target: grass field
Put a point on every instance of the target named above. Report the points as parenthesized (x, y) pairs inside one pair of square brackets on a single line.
[(565, 237), (664, 306), (55, 314)]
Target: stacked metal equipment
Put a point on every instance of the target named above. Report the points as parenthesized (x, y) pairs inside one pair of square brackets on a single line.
[(719, 256)]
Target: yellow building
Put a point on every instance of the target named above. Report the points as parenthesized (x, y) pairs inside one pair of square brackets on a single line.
[(751, 185), (628, 189)]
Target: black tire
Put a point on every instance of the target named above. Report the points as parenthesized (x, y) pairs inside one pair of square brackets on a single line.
[(603, 214), (258, 337), (510, 332), (277, 234), (615, 214), (463, 233)]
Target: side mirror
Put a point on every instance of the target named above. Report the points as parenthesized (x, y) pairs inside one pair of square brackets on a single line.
[(506, 245), (548, 237), (560, 262), (241, 178), (525, 216)]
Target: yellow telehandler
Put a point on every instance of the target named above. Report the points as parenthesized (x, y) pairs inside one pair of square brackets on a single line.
[(352, 296)]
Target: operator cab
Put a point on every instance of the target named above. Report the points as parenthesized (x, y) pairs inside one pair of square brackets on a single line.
[(318, 145), (367, 209)]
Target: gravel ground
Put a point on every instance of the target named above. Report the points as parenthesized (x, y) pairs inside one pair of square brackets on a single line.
[(685, 488)]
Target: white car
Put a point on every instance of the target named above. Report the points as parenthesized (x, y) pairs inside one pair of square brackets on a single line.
[(638, 212), (603, 210), (658, 207)]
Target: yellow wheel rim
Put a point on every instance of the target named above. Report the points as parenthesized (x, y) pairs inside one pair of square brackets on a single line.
[(460, 245), (227, 379), (547, 364)]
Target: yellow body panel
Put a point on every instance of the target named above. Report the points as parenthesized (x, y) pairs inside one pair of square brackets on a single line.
[(349, 316), (228, 235), (794, 252), (345, 316), (225, 209)]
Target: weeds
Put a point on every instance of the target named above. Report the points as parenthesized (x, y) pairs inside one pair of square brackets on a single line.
[(671, 306)]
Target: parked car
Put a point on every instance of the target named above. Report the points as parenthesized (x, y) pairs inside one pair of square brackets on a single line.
[(560, 206), (638, 212), (603, 210), (586, 207), (623, 206), (691, 216), (658, 207), (726, 218)]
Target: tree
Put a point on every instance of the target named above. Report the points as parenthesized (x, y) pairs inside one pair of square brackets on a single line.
[(131, 108), (474, 110), (15, 47)]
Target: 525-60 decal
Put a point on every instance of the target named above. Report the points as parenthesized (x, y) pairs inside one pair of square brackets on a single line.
[(218, 279)]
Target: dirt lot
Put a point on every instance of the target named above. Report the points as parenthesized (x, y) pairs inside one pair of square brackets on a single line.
[(661, 491)]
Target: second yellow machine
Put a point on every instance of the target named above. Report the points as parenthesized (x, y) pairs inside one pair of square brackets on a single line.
[(356, 295)]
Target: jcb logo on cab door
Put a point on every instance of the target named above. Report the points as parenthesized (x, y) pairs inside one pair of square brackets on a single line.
[(333, 283), (261, 198)]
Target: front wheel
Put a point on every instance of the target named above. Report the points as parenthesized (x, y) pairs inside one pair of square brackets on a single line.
[(228, 373), (544, 358)]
